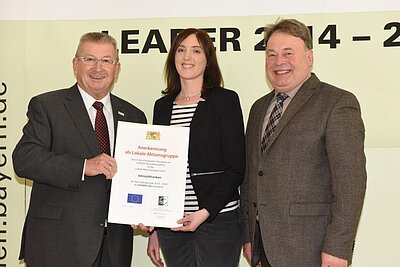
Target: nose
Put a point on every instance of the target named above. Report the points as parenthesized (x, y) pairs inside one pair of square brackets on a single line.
[(98, 65), (187, 54), (279, 60)]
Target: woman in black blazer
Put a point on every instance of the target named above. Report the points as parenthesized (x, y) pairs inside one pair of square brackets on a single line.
[(210, 234)]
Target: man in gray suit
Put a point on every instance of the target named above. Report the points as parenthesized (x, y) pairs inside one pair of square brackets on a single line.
[(305, 180), (65, 153)]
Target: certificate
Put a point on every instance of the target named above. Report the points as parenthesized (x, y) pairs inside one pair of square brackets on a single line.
[(149, 186)]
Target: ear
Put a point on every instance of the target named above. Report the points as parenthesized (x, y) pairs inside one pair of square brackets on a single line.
[(310, 57), (75, 65), (117, 71)]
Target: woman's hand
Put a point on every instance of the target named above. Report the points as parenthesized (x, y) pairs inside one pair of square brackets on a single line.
[(247, 252), (153, 250), (192, 221)]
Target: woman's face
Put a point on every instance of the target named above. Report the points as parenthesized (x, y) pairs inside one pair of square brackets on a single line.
[(190, 59)]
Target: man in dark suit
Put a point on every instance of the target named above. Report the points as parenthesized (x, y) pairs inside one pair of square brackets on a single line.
[(69, 161), (305, 179)]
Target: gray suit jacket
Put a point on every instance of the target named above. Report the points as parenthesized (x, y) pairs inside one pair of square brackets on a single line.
[(65, 221), (309, 186)]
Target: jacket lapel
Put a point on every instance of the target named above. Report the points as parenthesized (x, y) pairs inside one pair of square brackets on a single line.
[(259, 119), (119, 113), (302, 96), (76, 108), (165, 110)]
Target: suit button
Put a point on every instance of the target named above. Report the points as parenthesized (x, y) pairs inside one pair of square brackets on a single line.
[(260, 173), (254, 204)]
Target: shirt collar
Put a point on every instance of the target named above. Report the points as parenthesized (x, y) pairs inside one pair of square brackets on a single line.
[(88, 100), (293, 92)]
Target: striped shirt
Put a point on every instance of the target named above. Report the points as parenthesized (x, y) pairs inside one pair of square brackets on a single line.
[(182, 116)]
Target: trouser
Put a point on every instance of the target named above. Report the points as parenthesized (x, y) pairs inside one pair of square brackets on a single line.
[(103, 258), (213, 244)]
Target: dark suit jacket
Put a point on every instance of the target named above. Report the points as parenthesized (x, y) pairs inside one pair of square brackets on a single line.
[(65, 221), (216, 143), (309, 186)]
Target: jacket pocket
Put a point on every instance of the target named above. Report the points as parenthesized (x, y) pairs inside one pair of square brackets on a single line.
[(310, 209), (194, 174), (48, 212)]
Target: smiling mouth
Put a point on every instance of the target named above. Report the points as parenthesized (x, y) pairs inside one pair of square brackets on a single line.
[(187, 66), (98, 76), (281, 72)]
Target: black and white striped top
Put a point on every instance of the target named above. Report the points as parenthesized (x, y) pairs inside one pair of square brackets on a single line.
[(182, 116)]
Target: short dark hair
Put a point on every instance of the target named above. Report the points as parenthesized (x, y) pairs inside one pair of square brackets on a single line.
[(292, 27), (212, 73)]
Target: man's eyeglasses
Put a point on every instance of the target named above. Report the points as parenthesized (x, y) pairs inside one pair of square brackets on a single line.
[(91, 61)]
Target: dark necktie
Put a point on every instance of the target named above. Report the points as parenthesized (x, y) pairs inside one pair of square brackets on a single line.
[(273, 120), (101, 129)]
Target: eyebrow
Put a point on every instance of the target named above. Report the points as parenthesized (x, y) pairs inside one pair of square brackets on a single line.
[(284, 49), (90, 55), (195, 46)]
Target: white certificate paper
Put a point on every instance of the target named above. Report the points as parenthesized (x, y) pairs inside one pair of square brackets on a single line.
[(149, 186)]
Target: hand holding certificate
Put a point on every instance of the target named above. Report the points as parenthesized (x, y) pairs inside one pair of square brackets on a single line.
[(149, 186)]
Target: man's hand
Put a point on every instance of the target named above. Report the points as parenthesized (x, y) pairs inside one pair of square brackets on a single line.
[(332, 261), (101, 164), (142, 227)]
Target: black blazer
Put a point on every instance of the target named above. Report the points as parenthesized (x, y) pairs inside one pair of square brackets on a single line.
[(216, 146), (65, 221)]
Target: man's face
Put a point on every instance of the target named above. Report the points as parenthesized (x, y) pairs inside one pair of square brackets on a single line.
[(288, 62), (96, 78)]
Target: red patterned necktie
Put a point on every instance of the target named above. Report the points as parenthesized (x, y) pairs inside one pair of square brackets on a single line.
[(273, 120), (101, 129)]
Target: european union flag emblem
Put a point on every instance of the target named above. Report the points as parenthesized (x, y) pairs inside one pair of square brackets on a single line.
[(135, 198)]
